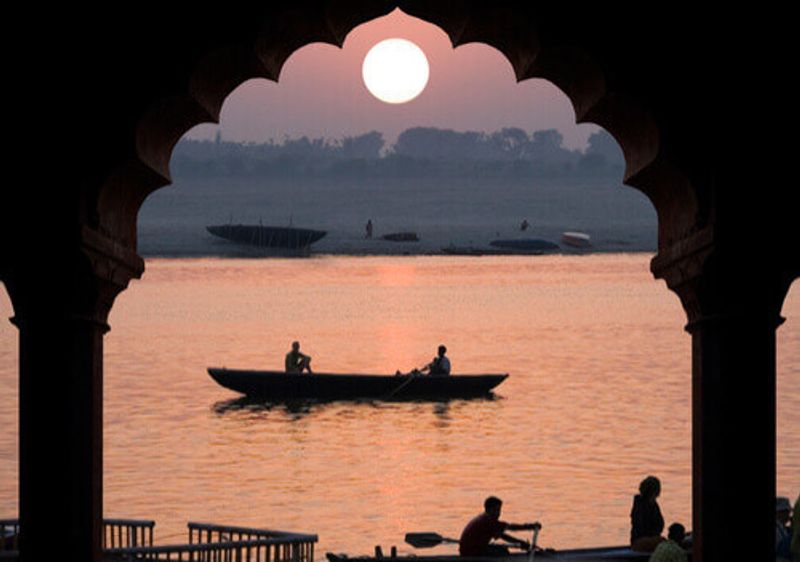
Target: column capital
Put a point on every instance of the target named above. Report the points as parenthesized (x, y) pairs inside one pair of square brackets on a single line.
[(79, 279), (113, 266), (716, 281)]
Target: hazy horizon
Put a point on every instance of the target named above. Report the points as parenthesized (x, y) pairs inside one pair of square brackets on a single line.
[(320, 93)]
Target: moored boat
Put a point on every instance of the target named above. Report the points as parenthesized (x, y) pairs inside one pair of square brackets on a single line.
[(279, 386), (268, 237), (576, 239), (525, 245), (494, 251), (401, 237)]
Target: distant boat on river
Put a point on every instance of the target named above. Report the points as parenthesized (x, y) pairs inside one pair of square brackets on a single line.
[(278, 386), (281, 238), (401, 237), (576, 239), (525, 245)]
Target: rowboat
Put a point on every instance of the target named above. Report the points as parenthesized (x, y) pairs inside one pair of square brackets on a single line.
[(598, 554), (280, 386)]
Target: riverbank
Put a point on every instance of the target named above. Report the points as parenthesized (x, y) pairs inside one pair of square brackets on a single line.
[(173, 221), (166, 243)]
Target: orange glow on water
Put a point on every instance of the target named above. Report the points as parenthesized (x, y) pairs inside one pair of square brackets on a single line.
[(598, 397)]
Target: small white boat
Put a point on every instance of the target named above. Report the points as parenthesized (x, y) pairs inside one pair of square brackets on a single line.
[(576, 239)]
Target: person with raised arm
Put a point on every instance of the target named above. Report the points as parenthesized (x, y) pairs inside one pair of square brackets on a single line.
[(476, 539)]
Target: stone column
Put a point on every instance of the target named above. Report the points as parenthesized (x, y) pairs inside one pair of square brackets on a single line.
[(61, 307), (733, 307)]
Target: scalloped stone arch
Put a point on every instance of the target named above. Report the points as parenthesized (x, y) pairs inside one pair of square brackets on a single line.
[(659, 77), (199, 96)]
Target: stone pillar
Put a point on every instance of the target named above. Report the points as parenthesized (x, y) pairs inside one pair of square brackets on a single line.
[(61, 308), (733, 310)]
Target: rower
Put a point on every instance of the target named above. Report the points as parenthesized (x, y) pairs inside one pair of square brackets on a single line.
[(477, 535), (440, 366), (297, 362)]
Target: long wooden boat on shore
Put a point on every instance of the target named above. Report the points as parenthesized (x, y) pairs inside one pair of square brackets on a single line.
[(282, 387), (598, 554), (525, 245), (269, 238)]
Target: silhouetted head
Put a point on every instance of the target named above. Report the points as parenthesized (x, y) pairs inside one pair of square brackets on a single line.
[(295, 346), (677, 533), (442, 350), (650, 488), (493, 506), (783, 510)]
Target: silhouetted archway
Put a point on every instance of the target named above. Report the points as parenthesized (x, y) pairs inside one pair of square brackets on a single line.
[(644, 77)]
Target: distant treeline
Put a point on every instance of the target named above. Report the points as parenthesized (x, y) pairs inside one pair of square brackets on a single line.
[(420, 151)]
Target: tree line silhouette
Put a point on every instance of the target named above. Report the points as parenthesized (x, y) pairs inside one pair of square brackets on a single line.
[(510, 153)]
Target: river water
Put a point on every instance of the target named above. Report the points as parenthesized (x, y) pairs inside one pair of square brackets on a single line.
[(598, 397)]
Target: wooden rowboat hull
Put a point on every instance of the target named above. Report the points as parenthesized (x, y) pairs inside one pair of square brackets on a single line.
[(600, 554), (283, 387), (267, 236)]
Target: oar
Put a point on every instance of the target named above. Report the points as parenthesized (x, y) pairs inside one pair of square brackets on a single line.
[(411, 376), (427, 540), (533, 544)]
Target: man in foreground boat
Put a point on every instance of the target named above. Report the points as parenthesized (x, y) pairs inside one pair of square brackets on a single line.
[(297, 362), (478, 534), (440, 366)]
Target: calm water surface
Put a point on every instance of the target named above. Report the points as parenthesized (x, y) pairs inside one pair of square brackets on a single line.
[(599, 397)]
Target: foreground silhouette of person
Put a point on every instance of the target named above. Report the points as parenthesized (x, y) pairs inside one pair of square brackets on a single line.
[(297, 362), (795, 547), (783, 532), (671, 550), (369, 229), (479, 532), (647, 523), (440, 366)]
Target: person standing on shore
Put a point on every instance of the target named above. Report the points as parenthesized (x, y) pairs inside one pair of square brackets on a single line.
[(369, 229)]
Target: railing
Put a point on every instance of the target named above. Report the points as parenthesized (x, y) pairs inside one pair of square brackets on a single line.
[(127, 533), (9, 543), (132, 540), (221, 543), (117, 533), (9, 540)]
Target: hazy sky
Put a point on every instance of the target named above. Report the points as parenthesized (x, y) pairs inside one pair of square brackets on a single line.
[(320, 93)]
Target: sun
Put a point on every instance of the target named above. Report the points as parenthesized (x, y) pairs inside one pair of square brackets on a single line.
[(395, 70)]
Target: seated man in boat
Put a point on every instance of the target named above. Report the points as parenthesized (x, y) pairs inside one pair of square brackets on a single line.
[(477, 535), (297, 362), (440, 366)]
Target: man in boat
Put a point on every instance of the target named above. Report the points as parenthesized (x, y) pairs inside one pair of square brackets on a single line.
[(297, 362), (440, 366), (477, 535)]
